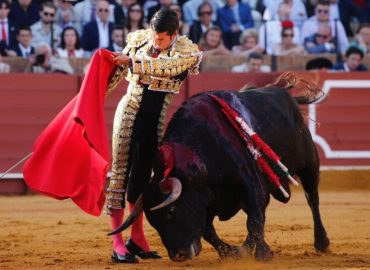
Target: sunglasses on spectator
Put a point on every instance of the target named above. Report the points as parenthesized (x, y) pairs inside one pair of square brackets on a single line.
[(325, 11), (203, 13), (135, 10), (288, 35), (49, 14), (322, 36), (103, 10)]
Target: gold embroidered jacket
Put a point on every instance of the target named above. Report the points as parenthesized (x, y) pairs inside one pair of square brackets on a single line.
[(161, 73)]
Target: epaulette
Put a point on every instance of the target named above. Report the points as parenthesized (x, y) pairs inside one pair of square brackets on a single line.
[(184, 46), (138, 38)]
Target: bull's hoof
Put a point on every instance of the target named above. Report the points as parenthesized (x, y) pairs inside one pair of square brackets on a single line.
[(322, 245), (248, 246), (226, 251), (263, 253)]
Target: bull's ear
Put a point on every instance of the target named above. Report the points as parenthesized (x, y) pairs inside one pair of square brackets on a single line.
[(170, 185)]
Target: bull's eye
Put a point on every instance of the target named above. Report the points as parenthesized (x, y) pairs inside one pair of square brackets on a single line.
[(170, 213)]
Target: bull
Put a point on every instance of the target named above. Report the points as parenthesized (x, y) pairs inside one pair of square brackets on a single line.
[(203, 170)]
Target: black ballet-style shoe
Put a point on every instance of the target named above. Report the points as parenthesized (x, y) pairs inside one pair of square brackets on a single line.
[(136, 250), (127, 258)]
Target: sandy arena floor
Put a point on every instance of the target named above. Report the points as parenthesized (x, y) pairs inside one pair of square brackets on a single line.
[(40, 233)]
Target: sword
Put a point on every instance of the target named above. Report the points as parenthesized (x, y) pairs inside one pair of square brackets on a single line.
[(16, 164)]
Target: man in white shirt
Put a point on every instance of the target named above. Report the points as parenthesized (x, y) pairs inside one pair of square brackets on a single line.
[(45, 30), (190, 9), (322, 15)]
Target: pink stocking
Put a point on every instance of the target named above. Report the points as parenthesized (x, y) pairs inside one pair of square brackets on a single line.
[(116, 220), (137, 231)]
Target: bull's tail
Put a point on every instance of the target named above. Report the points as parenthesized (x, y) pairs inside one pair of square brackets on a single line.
[(304, 91)]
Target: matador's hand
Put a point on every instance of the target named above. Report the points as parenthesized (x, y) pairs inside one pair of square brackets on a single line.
[(121, 59)]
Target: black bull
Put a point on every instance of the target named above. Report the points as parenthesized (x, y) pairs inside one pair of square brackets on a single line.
[(213, 173)]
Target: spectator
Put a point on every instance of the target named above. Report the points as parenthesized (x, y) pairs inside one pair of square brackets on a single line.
[(24, 12), (287, 46), (23, 48), (198, 28), (154, 9), (211, 42), (135, 19), (270, 32), (345, 11), (234, 18), (254, 64), (353, 61), (121, 11), (258, 8), (97, 34), (87, 11), (321, 42), (322, 15), (65, 15), (248, 44), (191, 10), (319, 64), (70, 45), (4, 67), (183, 27), (40, 61), (118, 39), (45, 30), (7, 27), (362, 38), (298, 12)]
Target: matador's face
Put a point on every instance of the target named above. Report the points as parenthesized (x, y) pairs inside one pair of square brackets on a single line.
[(162, 41)]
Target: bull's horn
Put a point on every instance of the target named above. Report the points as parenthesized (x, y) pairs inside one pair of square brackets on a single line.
[(175, 193), (138, 208)]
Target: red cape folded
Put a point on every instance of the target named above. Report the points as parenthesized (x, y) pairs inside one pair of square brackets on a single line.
[(71, 156)]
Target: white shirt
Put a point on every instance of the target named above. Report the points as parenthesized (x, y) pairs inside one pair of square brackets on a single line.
[(25, 51), (103, 33), (117, 48)]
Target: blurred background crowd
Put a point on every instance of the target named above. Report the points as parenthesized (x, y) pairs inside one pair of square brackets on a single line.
[(46, 33)]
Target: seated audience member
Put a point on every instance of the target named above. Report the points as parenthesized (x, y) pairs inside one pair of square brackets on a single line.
[(211, 43), (321, 42), (191, 9), (322, 16), (248, 44), (121, 11), (362, 38), (25, 12), (23, 48), (135, 19), (70, 45), (45, 30), (183, 27), (353, 61), (254, 64), (8, 27), (234, 18), (118, 39), (4, 67), (153, 9), (287, 46), (270, 31), (97, 34), (198, 28), (319, 64), (65, 15)]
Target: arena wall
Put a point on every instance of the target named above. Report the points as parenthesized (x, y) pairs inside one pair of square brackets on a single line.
[(340, 123)]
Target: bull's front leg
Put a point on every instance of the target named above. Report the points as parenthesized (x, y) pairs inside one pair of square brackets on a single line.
[(224, 250)]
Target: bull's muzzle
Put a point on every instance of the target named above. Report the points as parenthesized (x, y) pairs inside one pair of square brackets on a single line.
[(186, 253)]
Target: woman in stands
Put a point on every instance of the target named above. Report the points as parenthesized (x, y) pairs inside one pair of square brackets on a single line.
[(135, 19), (287, 46), (184, 27), (70, 45), (211, 42), (248, 44)]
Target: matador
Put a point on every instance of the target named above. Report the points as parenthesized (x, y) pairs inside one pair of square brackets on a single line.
[(155, 62)]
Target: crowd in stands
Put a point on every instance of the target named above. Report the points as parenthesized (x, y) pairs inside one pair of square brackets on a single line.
[(49, 33)]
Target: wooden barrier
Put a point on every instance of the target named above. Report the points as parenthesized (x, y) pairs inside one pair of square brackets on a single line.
[(340, 124)]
